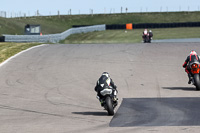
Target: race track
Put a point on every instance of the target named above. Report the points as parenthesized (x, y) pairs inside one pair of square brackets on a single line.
[(50, 89)]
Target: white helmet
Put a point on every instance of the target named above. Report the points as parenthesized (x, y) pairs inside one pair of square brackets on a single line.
[(193, 52), (106, 74)]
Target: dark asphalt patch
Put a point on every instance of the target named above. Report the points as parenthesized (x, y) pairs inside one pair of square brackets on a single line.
[(157, 112)]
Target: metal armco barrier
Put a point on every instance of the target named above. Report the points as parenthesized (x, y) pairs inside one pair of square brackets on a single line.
[(53, 38)]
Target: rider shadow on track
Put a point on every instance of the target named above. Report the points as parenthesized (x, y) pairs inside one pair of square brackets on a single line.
[(91, 113), (180, 88)]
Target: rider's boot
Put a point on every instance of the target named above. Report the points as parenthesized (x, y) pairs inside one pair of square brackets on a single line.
[(100, 100), (190, 78), (115, 101)]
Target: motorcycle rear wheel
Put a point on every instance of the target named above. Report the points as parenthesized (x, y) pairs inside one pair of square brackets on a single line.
[(109, 105), (197, 81)]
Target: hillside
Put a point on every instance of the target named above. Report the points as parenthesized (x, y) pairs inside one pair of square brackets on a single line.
[(57, 24)]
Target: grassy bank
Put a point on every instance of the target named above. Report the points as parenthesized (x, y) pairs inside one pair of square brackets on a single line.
[(110, 36), (131, 36), (9, 49), (57, 24)]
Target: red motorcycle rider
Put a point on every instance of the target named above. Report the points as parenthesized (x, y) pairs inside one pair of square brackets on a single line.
[(145, 33), (191, 58)]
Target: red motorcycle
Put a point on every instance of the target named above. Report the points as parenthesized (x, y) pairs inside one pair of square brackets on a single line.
[(146, 37)]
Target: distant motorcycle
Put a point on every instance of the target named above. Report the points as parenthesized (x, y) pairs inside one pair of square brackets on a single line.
[(146, 38), (109, 101), (194, 66)]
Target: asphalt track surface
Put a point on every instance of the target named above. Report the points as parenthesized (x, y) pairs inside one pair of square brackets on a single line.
[(182, 40), (50, 89)]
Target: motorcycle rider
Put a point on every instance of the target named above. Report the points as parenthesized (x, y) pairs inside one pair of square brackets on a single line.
[(150, 34), (193, 56), (105, 82), (145, 33)]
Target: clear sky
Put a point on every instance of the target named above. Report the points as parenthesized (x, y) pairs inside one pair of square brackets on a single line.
[(51, 7)]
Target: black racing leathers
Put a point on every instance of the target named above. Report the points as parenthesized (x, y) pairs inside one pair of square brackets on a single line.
[(190, 59), (102, 84), (150, 35)]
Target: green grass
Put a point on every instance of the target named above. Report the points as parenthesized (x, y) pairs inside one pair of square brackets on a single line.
[(131, 36), (56, 24), (9, 49)]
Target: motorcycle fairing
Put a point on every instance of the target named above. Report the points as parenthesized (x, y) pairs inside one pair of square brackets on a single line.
[(194, 67), (106, 92)]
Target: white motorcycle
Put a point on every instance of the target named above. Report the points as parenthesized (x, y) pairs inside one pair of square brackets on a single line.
[(109, 100)]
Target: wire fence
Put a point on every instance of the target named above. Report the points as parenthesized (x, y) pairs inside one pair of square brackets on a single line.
[(12, 14)]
